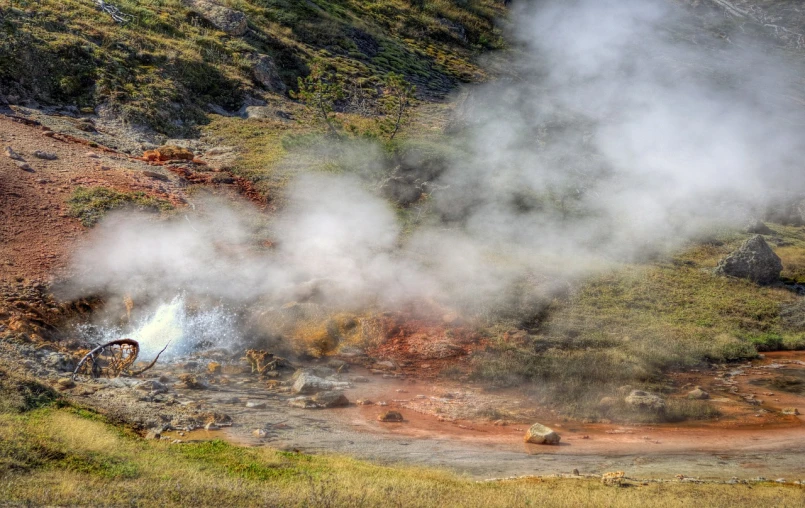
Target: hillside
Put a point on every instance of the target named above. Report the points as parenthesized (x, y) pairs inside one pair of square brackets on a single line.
[(168, 63), (450, 219)]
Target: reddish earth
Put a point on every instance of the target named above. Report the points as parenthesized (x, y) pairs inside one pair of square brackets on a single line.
[(426, 411), (36, 233)]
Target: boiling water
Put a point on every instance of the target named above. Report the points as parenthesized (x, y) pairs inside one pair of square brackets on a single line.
[(171, 324)]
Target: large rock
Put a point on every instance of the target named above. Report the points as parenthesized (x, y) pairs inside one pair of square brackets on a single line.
[(754, 260), (643, 400), (540, 434), (228, 20), (264, 71)]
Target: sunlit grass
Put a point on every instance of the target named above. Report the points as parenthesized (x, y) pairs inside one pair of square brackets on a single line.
[(75, 459)]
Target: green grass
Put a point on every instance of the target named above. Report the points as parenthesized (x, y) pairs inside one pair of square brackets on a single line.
[(164, 67), (90, 205), (634, 324), (61, 455)]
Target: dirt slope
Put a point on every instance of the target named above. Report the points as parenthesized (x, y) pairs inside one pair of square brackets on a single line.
[(36, 232)]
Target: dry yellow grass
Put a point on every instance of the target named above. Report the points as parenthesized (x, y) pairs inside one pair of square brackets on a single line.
[(73, 457)]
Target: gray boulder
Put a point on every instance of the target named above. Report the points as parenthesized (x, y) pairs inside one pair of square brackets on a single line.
[(639, 399), (754, 260), (758, 227), (330, 399), (540, 434), (698, 394), (227, 20), (308, 383), (264, 71)]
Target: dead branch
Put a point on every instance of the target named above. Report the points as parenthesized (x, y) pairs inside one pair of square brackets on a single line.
[(124, 354), (115, 358), (138, 372)]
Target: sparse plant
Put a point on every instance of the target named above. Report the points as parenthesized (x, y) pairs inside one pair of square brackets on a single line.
[(319, 91), (396, 102)]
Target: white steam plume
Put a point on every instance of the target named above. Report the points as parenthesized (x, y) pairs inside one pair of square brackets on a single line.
[(626, 127)]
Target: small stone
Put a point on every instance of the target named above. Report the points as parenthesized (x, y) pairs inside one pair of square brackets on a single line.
[(65, 383), (189, 381), (576, 472), (153, 434), (256, 405), (385, 365), (302, 403), (540, 434), (11, 154), (92, 155), (151, 385), (24, 166), (39, 154), (390, 416), (790, 411), (364, 402), (156, 176), (698, 394), (330, 399), (259, 433), (214, 368), (645, 401)]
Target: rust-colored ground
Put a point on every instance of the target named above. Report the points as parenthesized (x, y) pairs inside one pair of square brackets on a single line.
[(36, 233)]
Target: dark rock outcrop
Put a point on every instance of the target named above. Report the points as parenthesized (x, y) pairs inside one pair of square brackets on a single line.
[(754, 260), (264, 71)]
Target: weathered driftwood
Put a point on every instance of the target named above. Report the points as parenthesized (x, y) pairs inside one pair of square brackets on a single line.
[(114, 358)]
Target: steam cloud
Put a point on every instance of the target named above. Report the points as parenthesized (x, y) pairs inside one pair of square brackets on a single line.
[(624, 128)]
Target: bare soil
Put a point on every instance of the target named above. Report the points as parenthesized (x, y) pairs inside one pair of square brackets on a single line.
[(439, 429)]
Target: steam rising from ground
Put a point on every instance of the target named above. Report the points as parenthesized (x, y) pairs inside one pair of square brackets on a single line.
[(625, 128), (170, 324)]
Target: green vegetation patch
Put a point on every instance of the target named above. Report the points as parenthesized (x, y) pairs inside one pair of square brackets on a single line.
[(634, 324), (91, 204)]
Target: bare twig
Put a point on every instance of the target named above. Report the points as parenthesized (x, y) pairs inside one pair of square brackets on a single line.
[(138, 372), (129, 349)]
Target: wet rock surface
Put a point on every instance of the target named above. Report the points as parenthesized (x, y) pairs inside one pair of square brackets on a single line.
[(433, 432), (540, 434)]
